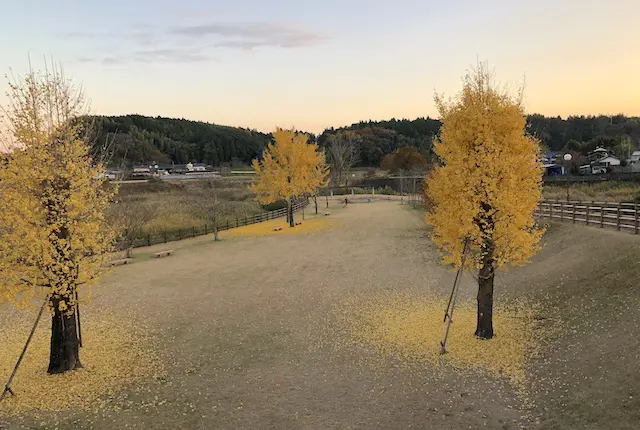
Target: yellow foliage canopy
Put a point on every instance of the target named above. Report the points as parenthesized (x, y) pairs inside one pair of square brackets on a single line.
[(52, 233), (490, 180), (290, 167)]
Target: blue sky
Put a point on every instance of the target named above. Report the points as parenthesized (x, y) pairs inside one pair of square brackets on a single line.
[(312, 65)]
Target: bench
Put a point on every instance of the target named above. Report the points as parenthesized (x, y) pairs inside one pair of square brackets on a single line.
[(163, 253), (277, 229), (119, 262), (327, 214), (298, 223)]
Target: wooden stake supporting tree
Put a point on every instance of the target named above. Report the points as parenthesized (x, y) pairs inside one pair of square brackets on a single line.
[(487, 187), (53, 233), (290, 167)]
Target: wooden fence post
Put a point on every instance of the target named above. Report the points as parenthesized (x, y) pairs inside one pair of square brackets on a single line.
[(148, 239), (618, 218), (561, 211), (586, 217), (237, 222), (179, 234), (165, 236), (550, 209), (193, 232), (636, 217), (573, 212), (206, 231), (601, 216)]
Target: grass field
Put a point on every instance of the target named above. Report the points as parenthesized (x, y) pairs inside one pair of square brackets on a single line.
[(608, 191), (326, 329), (173, 205)]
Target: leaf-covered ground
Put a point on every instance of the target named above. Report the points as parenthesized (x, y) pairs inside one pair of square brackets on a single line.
[(312, 223), (119, 352), (326, 331)]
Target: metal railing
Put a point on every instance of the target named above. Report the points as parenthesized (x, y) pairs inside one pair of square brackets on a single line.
[(621, 216), (186, 233)]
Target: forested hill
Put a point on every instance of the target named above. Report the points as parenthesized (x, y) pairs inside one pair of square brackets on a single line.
[(580, 134), (142, 139), (379, 138), (139, 139)]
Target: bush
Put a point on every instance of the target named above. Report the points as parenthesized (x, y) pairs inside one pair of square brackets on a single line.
[(386, 190), (281, 204)]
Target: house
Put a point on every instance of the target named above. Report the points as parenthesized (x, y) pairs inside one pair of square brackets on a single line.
[(141, 171), (602, 165), (197, 167), (550, 163), (634, 162), (598, 154), (553, 169), (550, 157), (608, 161)]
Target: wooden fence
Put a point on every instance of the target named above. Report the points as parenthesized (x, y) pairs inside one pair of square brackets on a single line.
[(621, 216), (185, 233)]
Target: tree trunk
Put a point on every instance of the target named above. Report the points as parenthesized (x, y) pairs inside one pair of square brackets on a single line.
[(327, 200), (315, 200), (215, 232), (484, 327), (290, 210), (64, 354), (129, 252)]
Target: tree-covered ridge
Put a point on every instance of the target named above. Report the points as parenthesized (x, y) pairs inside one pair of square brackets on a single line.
[(380, 138), (139, 139), (575, 133)]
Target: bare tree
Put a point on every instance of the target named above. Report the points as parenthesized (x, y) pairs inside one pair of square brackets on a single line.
[(343, 152), (208, 204), (129, 216)]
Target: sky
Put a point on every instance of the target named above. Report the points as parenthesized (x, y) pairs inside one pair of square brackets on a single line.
[(317, 64)]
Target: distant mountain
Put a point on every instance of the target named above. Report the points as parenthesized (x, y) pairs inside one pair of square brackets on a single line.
[(140, 139)]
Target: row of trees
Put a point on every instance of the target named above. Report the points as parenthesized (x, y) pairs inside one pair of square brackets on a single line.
[(141, 139)]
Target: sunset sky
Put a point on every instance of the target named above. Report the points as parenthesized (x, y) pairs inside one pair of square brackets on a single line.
[(312, 65)]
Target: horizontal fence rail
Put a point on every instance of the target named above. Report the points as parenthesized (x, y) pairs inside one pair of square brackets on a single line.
[(621, 216), (185, 233)]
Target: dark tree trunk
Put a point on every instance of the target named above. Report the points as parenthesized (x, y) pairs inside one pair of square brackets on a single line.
[(315, 200), (327, 200), (129, 252), (290, 210), (64, 354), (484, 328), (215, 232)]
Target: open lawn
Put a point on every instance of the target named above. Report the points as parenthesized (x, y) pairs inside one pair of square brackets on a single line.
[(337, 327)]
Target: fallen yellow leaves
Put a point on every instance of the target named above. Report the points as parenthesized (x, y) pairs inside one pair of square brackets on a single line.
[(409, 328), (116, 354), (310, 225)]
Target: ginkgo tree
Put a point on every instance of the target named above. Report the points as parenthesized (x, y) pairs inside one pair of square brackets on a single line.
[(53, 237), (290, 167), (487, 186)]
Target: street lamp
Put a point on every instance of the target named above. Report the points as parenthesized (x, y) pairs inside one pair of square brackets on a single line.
[(567, 158)]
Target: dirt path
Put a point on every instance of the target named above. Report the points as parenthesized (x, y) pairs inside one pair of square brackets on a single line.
[(245, 326)]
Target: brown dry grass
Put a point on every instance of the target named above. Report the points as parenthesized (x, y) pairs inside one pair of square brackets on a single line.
[(174, 207), (601, 192)]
